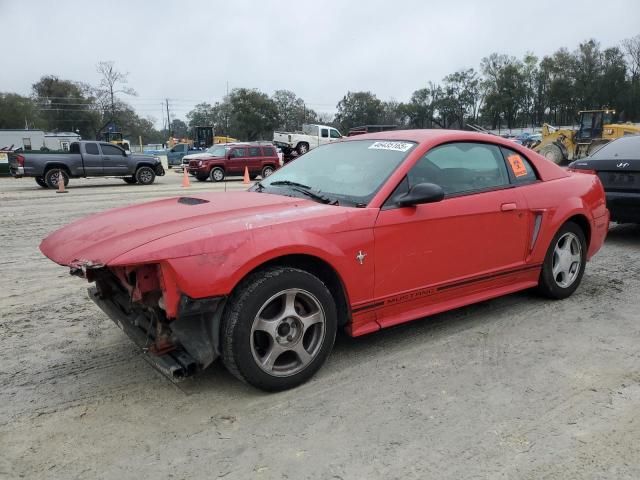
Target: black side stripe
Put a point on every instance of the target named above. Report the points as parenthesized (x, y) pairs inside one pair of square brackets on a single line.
[(430, 290), (367, 307), (487, 277)]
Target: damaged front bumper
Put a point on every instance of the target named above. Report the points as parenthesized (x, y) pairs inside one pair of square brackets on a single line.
[(177, 348)]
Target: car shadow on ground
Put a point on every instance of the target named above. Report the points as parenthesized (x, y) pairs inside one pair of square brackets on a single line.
[(624, 234), (351, 353)]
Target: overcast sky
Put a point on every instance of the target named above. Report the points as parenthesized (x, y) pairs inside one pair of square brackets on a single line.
[(187, 51)]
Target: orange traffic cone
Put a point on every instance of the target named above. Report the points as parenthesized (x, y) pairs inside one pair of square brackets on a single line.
[(185, 179), (61, 184), (246, 175)]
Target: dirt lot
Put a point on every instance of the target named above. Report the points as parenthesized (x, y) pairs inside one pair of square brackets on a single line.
[(515, 388)]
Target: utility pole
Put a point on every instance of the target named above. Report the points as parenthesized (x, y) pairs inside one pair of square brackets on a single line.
[(226, 113), (168, 118)]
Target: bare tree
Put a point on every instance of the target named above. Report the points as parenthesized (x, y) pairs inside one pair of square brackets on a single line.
[(631, 47), (111, 83)]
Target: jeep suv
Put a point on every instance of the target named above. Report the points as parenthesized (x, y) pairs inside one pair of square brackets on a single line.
[(231, 159)]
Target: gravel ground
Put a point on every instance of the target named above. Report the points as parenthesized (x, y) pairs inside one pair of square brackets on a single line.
[(514, 388)]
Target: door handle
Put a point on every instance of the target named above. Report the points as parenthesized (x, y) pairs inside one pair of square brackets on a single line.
[(508, 207)]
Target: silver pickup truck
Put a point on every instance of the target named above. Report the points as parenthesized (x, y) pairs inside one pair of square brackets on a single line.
[(85, 159)]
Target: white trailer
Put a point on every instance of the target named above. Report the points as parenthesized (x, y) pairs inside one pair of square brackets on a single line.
[(60, 140), (37, 139), (25, 139)]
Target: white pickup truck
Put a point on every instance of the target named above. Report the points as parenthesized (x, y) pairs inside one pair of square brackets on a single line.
[(311, 136)]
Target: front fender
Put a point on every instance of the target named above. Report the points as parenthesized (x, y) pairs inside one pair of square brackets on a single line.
[(204, 264)]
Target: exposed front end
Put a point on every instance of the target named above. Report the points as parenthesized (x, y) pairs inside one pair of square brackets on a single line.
[(179, 340)]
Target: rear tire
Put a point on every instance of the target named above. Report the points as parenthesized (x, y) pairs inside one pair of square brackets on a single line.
[(40, 181), (564, 263), (51, 177), (217, 174), (552, 153), (145, 175), (302, 148), (278, 328)]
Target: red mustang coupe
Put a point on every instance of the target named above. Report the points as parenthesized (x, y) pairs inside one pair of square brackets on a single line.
[(362, 234)]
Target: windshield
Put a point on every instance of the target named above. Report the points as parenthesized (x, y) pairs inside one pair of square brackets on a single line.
[(217, 150), (344, 173), (625, 148)]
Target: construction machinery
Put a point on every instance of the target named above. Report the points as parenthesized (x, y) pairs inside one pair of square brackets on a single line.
[(596, 127), (203, 137), (117, 139)]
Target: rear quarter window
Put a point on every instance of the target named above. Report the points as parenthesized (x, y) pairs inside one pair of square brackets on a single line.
[(520, 170), (91, 148)]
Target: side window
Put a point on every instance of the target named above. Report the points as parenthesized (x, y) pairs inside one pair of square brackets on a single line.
[(111, 150), (324, 133), (254, 151), (238, 152), (91, 148), (268, 152), (334, 134), (520, 169), (461, 167)]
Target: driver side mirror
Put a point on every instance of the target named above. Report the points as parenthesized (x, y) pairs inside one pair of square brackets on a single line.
[(421, 193)]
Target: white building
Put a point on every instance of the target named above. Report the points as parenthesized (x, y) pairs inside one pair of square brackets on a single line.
[(37, 139)]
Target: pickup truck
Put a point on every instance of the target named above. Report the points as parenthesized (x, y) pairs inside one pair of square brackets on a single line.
[(175, 154), (311, 136), (85, 159)]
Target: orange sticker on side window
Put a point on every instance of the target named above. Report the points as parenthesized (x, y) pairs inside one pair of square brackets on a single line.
[(517, 165)]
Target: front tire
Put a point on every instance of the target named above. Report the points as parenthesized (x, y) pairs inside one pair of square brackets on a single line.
[(145, 175), (564, 263), (217, 174), (51, 177), (40, 181), (278, 328), (553, 153)]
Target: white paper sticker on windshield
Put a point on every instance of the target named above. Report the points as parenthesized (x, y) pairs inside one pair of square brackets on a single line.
[(397, 146)]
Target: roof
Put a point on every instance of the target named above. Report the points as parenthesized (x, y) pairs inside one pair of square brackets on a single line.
[(21, 130)]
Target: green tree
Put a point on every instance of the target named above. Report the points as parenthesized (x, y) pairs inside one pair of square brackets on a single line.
[(291, 110), (65, 105), (420, 111), (17, 111), (461, 92), (202, 115), (179, 129), (252, 114), (359, 108)]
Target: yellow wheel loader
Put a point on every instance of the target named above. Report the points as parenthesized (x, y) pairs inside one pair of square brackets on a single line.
[(561, 145)]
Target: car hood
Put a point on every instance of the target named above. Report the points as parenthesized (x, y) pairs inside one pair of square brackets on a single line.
[(100, 238), (197, 156)]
